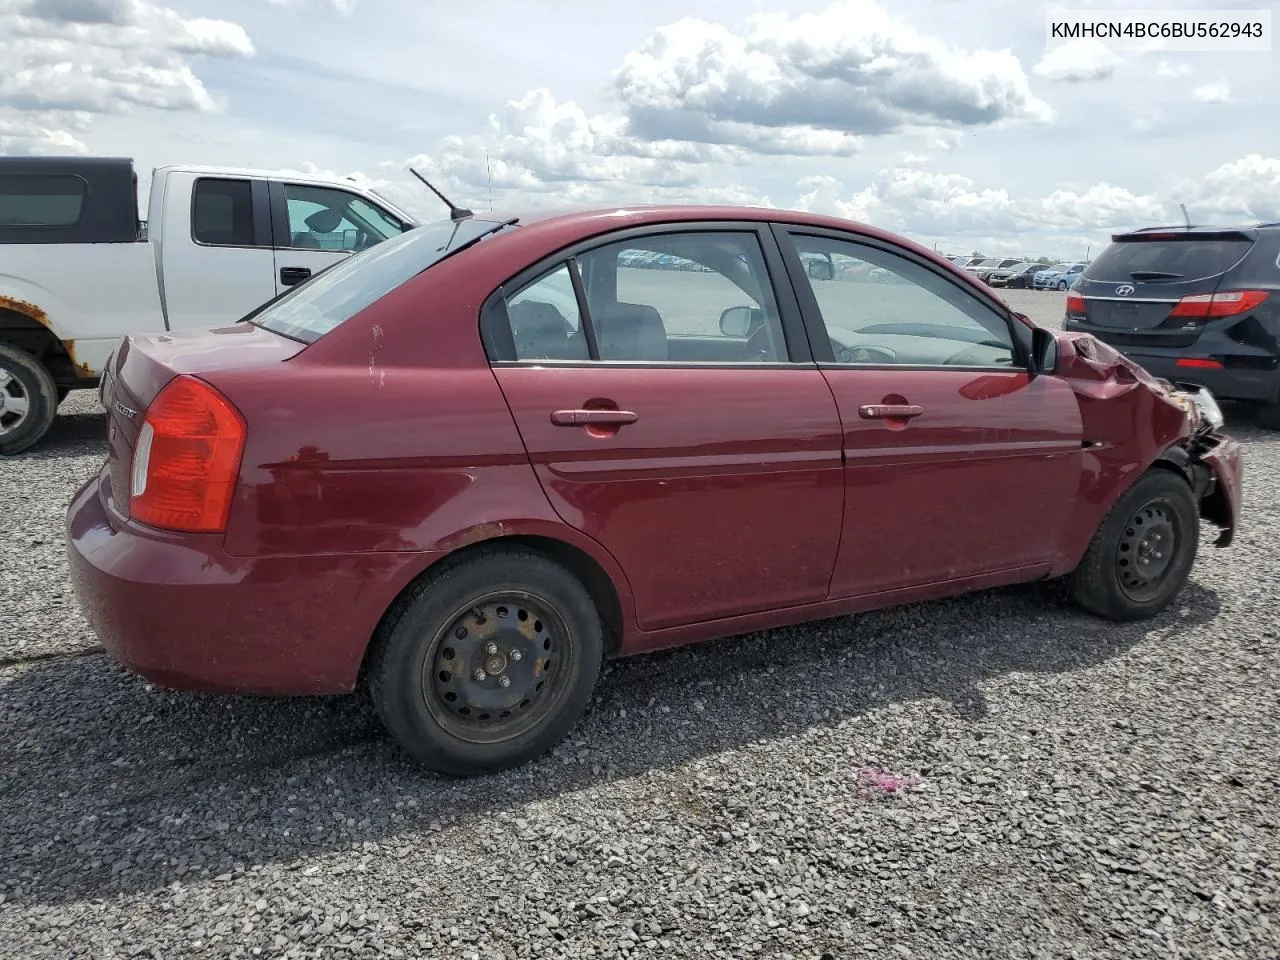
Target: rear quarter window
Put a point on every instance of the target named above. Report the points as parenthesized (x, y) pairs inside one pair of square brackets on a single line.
[(1185, 259), (32, 200)]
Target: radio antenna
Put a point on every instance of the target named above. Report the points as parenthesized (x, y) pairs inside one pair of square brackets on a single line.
[(1184, 215), (455, 212)]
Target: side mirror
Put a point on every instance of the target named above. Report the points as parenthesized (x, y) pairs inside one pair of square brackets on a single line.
[(736, 322), (350, 240), (821, 270), (1044, 351)]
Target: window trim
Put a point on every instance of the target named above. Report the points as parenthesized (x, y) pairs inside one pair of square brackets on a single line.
[(495, 327), (1019, 335), (80, 213), (260, 212)]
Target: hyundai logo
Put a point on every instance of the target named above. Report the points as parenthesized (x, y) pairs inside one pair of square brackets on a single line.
[(1124, 290)]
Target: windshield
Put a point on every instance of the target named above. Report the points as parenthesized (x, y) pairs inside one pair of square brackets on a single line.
[(337, 294)]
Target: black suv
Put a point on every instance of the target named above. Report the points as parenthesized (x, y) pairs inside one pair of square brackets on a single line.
[(1192, 304)]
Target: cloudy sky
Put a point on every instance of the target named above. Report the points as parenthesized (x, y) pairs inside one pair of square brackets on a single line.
[(947, 120)]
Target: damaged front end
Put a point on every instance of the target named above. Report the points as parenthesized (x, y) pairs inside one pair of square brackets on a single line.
[(1213, 461), (1179, 424)]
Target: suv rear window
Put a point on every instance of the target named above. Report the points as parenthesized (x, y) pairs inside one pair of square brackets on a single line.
[(1181, 259), (335, 295)]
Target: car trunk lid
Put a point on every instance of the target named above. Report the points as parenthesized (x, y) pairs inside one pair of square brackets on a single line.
[(1139, 279), (141, 366)]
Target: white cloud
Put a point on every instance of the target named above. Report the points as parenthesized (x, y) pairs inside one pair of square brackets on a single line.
[(341, 6), (1171, 70), (813, 83), (69, 59), (925, 204), (1219, 91), (1247, 189), (1077, 61)]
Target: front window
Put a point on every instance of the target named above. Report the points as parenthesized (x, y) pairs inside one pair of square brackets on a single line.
[(321, 218), (310, 310), (920, 319)]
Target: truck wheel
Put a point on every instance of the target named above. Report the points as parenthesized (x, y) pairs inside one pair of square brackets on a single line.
[(28, 400), (487, 662), (1142, 553)]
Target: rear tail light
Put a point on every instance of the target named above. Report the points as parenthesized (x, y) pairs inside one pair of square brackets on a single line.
[(187, 458), (1075, 304), (1206, 306)]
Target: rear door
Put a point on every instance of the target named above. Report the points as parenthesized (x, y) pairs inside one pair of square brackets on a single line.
[(1131, 290), (672, 413), (958, 463), (315, 227), (216, 257)]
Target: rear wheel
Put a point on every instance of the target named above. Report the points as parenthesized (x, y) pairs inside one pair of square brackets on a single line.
[(487, 662), (1269, 416), (28, 400), (1142, 553)]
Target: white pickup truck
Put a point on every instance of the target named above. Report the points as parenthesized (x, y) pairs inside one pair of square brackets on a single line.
[(79, 269)]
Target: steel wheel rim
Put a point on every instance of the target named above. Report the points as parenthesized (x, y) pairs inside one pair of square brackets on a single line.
[(1147, 550), (15, 403), (508, 634)]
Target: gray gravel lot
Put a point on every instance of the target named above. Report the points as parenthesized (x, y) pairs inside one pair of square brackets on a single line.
[(1081, 789)]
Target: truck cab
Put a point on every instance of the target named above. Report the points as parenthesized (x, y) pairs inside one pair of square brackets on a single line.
[(79, 269)]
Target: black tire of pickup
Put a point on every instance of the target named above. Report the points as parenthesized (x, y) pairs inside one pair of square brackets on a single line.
[(30, 397)]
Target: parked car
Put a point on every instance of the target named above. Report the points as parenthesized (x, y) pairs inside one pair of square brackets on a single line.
[(429, 471), (1017, 276), (987, 267), (1199, 304), (1058, 277), (80, 270)]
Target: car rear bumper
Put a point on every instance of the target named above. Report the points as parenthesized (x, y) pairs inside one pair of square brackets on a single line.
[(182, 613)]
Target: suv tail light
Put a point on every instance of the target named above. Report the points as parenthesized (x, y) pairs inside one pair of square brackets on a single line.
[(1207, 306), (1075, 304), (187, 458)]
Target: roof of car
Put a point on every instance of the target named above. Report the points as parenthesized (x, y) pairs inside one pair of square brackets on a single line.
[(588, 219)]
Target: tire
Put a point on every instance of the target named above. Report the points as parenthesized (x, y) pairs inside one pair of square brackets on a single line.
[(461, 723), (1062, 284), (1108, 581), (30, 400), (1269, 416)]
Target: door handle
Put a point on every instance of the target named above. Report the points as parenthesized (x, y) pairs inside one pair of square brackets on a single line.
[(889, 411), (578, 418), (291, 276)]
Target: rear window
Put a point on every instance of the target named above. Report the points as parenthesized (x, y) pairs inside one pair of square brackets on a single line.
[(41, 201), (1176, 259), (330, 298)]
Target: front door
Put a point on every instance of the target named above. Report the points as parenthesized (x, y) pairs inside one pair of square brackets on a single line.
[(958, 462), (701, 456)]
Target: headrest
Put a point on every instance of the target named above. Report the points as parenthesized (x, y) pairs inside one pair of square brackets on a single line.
[(630, 331)]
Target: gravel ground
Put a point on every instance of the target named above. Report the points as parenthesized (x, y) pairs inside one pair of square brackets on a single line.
[(998, 775)]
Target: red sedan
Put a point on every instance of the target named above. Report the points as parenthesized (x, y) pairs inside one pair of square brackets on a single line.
[(468, 464)]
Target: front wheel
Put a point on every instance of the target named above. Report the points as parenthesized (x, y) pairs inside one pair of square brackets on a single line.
[(487, 662), (1062, 284), (1142, 554), (28, 400)]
